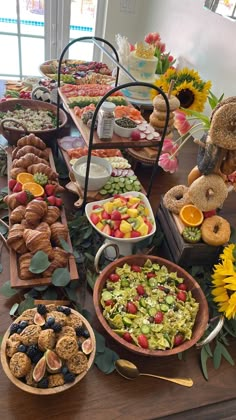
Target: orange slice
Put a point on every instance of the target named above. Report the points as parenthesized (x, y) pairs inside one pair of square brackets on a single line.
[(35, 189), (24, 177), (191, 215)]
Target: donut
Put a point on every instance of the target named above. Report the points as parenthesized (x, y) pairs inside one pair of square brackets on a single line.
[(208, 155), (208, 192), (160, 105), (223, 126), (193, 174), (176, 198), (215, 231)]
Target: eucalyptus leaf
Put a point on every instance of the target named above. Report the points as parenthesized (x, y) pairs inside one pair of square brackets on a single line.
[(7, 291), (50, 294), (208, 349), (226, 355), (217, 356), (65, 245), (1, 267), (230, 327), (204, 358), (39, 262), (28, 303), (106, 361), (89, 257), (41, 288), (91, 278), (100, 342), (13, 309), (3, 229), (87, 315), (180, 356), (71, 294), (61, 277), (4, 190)]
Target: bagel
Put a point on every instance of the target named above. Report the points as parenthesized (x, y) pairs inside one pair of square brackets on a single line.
[(193, 174), (215, 231), (208, 156), (176, 198), (155, 122), (229, 164), (161, 115), (160, 105), (221, 103), (208, 192), (223, 126)]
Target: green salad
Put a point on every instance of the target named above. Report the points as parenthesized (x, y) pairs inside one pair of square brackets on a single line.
[(149, 306)]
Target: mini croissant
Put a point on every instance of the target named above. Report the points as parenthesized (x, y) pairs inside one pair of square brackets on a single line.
[(58, 231), (59, 259), (43, 154), (16, 240), (24, 264), (37, 241), (17, 214), (44, 227), (52, 215), (31, 140), (35, 211), (27, 160), (44, 169)]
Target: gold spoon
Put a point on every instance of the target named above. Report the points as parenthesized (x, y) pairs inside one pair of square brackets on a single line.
[(130, 371)]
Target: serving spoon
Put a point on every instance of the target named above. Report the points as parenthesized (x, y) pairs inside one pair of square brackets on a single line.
[(129, 370)]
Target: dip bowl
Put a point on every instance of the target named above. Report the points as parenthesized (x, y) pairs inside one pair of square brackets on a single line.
[(96, 180)]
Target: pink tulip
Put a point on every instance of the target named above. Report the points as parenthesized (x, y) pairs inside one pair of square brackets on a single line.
[(168, 163), (170, 58), (169, 146), (131, 47), (156, 36), (149, 38), (181, 123)]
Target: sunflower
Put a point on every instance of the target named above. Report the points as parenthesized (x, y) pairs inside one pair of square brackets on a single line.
[(224, 282), (189, 88)]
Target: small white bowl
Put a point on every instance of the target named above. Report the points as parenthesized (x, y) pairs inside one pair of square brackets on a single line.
[(123, 131), (95, 182)]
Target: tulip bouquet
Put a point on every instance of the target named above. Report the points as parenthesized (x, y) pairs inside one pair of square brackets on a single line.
[(165, 60)]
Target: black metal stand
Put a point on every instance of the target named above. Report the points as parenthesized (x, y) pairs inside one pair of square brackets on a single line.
[(116, 88)]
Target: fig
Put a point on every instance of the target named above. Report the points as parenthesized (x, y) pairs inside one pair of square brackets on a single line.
[(87, 346), (39, 319), (39, 369), (54, 362)]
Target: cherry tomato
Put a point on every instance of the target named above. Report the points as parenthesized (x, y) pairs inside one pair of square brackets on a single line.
[(179, 338), (140, 289), (114, 277), (158, 318), (109, 302), (136, 268), (181, 296), (182, 286), (143, 341), (150, 275), (127, 337), (131, 308)]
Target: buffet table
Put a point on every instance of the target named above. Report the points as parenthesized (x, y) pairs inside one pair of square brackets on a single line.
[(98, 395)]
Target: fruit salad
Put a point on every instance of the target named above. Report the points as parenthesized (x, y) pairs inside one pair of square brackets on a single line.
[(123, 217)]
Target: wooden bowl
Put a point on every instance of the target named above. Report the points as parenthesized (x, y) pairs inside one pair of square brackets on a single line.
[(14, 134), (48, 391), (201, 318)]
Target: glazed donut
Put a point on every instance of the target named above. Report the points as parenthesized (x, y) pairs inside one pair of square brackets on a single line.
[(193, 174), (176, 198), (223, 126), (215, 231), (208, 155), (208, 192), (160, 105)]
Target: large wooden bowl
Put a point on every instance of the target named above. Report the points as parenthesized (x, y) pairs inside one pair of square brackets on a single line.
[(14, 134), (202, 315), (47, 391)]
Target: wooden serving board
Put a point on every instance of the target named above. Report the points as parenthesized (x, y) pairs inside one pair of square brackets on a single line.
[(16, 281)]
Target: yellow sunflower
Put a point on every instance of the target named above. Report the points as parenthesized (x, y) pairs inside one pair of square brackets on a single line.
[(191, 91), (224, 283)]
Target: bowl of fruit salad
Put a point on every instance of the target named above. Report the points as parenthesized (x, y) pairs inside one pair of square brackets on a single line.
[(150, 305), (124, 219)]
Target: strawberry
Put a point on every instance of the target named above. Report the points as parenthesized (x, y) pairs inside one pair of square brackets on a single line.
[(11, 184), (118, 234), (52, 200), (105, 215), (107, 230), (115, 215), (39, 198), (22, 197), (58, 201), (94, 218), (49, 189), (209, 213), (17, 187), (135, 234)]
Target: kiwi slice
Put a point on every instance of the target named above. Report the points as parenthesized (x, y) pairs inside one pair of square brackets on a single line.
[(192, 234)]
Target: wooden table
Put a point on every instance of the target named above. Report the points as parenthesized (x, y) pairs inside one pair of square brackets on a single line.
[(99, 396)]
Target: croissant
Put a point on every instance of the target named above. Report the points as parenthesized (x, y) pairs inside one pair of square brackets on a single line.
[(44, 227), (27, 225), (16, 240), (27, 160), (59, 231), (44, 169), (24, 264), (35, 211), (37, 241), (12, 200), (17, 214), (31, 140), (59, 259), (15, 171), (43, 154), (52, 215), (14, 152)]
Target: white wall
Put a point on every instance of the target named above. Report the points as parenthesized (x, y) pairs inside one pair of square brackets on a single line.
[(205, 40)]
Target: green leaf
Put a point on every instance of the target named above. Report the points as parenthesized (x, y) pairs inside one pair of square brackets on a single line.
[(50, 294), (7, 291), (89, 257), (226, 355), (230, 327), (106, 361), (91, 278), (87, 315), (232, 238), (217, 356), (13, 309), (3, 229), (39, 262), (61, 277), (204, 358), (71, 294), (28, 303), (41, 288), (65, 245), (100, 342), (4, 190), (208, 349)]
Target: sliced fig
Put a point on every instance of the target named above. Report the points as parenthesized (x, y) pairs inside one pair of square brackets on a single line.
[(87, 346), (39, 319), (39, 369), (53, 362)]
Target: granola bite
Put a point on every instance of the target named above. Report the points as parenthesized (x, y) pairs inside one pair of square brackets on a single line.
[(74, 320), (66, 347), (55, 380), (11, 347), (30, 335), (67, 330), (59, 317), (78, 363), (46, 340), (20, 364)]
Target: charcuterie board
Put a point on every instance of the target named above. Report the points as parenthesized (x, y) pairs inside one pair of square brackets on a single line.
[(15, 280)]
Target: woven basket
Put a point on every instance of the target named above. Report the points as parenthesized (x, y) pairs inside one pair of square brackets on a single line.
[(14, 134)]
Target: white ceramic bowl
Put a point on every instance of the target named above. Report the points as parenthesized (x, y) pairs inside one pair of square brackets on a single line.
[(95, 182), (123, 131)]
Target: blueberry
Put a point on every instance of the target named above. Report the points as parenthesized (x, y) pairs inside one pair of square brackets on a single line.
[(50, 320), (22, 348), (64, 370), (19, 330), (86, 334), (23, 324), (45, 326), (13, 328), (43, 383), (69, 377), (37, 357)]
